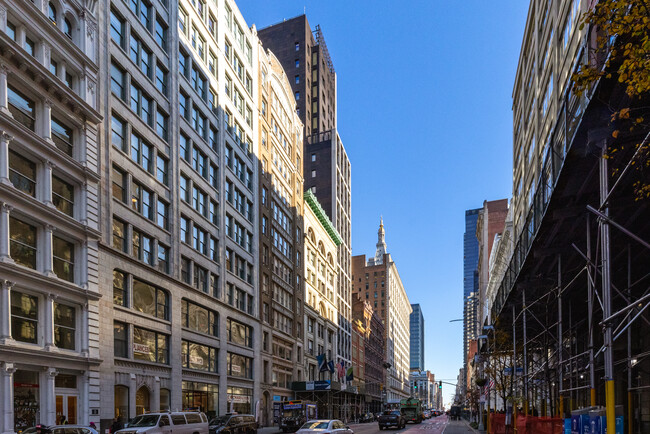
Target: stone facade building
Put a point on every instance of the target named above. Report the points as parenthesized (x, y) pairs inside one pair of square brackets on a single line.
[(49, 221), (303, 54), (281, 234), (378, 281), (179, 270)]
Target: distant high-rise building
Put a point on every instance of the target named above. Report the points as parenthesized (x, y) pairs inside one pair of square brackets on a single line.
[(470, 280), (378, 281), (416, 322), (307, 62)]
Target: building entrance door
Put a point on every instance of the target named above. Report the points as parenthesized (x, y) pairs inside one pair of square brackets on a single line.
[(66, 406)]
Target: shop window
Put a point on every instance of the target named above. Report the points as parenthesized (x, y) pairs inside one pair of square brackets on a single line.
[(26, 399), (165, 400), (150, 346), (121, 399), (197, 356), (142, 401)]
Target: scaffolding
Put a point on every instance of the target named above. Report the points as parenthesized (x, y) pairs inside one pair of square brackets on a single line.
[(574, 297)]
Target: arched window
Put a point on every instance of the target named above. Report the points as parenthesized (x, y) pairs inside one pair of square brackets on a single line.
[(52, 13), (67, 28)]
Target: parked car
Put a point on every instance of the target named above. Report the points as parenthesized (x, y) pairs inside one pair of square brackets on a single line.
[(391, 418), (426, 414), (232, 423), (181, 422), (325, 426), (60, 429)]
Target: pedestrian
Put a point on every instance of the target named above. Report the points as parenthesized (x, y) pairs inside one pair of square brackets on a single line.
[(93, 426), (63, 421), (117, 425)]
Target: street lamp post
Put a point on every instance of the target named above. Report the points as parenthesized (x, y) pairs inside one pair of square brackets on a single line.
[(481, 373)]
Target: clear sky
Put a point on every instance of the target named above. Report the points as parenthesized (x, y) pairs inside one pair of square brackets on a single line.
[(424, 112)]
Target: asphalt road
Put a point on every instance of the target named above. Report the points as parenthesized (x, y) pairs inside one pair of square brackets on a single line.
[(435, 425)]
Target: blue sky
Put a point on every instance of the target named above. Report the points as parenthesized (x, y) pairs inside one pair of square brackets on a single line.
[(424, 111)]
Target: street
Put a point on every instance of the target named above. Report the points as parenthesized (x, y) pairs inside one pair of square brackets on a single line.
[(436, 425)]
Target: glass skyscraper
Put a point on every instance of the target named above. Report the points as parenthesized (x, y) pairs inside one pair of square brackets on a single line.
[(470, 280), (416, 322)]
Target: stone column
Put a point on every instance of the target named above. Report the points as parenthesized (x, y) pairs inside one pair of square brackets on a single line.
[(46, 189), (5, 312), (48, 323), (84, 330), (84, 398), (4, 102), (132, 387), (5, 209), (47, 256), (48, 405), (82, 273), (81, 146), (4, 146), (46, 120), (82, 212), (3, 28), (155, 398), (7, 412)]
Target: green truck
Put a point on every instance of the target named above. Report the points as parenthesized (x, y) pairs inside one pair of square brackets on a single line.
[(411, 409)]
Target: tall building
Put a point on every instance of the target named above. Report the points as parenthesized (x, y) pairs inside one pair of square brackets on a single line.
[(378, 281), (306, 59), (470, 280), (281, 298), (489, 226), (416, 327), (49, 221), (424, 387), (178, 262)]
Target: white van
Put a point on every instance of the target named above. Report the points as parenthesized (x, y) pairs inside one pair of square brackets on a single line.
[(182, 422)]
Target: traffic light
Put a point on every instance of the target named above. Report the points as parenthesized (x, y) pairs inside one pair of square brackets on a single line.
[(415, 386), (440, 385)]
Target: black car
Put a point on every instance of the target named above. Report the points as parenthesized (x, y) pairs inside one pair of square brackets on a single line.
[(233, 424)]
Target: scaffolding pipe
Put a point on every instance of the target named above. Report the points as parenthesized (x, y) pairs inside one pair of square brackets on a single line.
[(514, 364), (590, 317), (630, 425), (559, 336), (524, 308), (607, 292)]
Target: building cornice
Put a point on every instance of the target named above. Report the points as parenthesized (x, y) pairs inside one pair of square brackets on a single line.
[(318, 210)]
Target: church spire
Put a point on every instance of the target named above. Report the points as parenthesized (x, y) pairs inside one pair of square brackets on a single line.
[(381, 243)]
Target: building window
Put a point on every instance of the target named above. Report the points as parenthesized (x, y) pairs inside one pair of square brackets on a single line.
[(24, 317), (239, 333), (117, 81), (185, 270), (163, 258), (119, 288), (22, 173), (64, 326), (199, 319), (142, 247), (63, 259), (197, 356), (162, 214), (150, 346), (120, 340), (119, 235), (150, 300), (239, 366), (62, 136), (21, 108), (162, 169), (297, 63), (22, 242), (63, 196), (117, 29)]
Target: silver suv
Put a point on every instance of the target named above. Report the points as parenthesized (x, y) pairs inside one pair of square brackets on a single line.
[(182, 422)]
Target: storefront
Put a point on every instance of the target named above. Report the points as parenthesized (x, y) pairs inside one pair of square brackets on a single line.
[(26, 399), (240, 400), (201, 396)]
